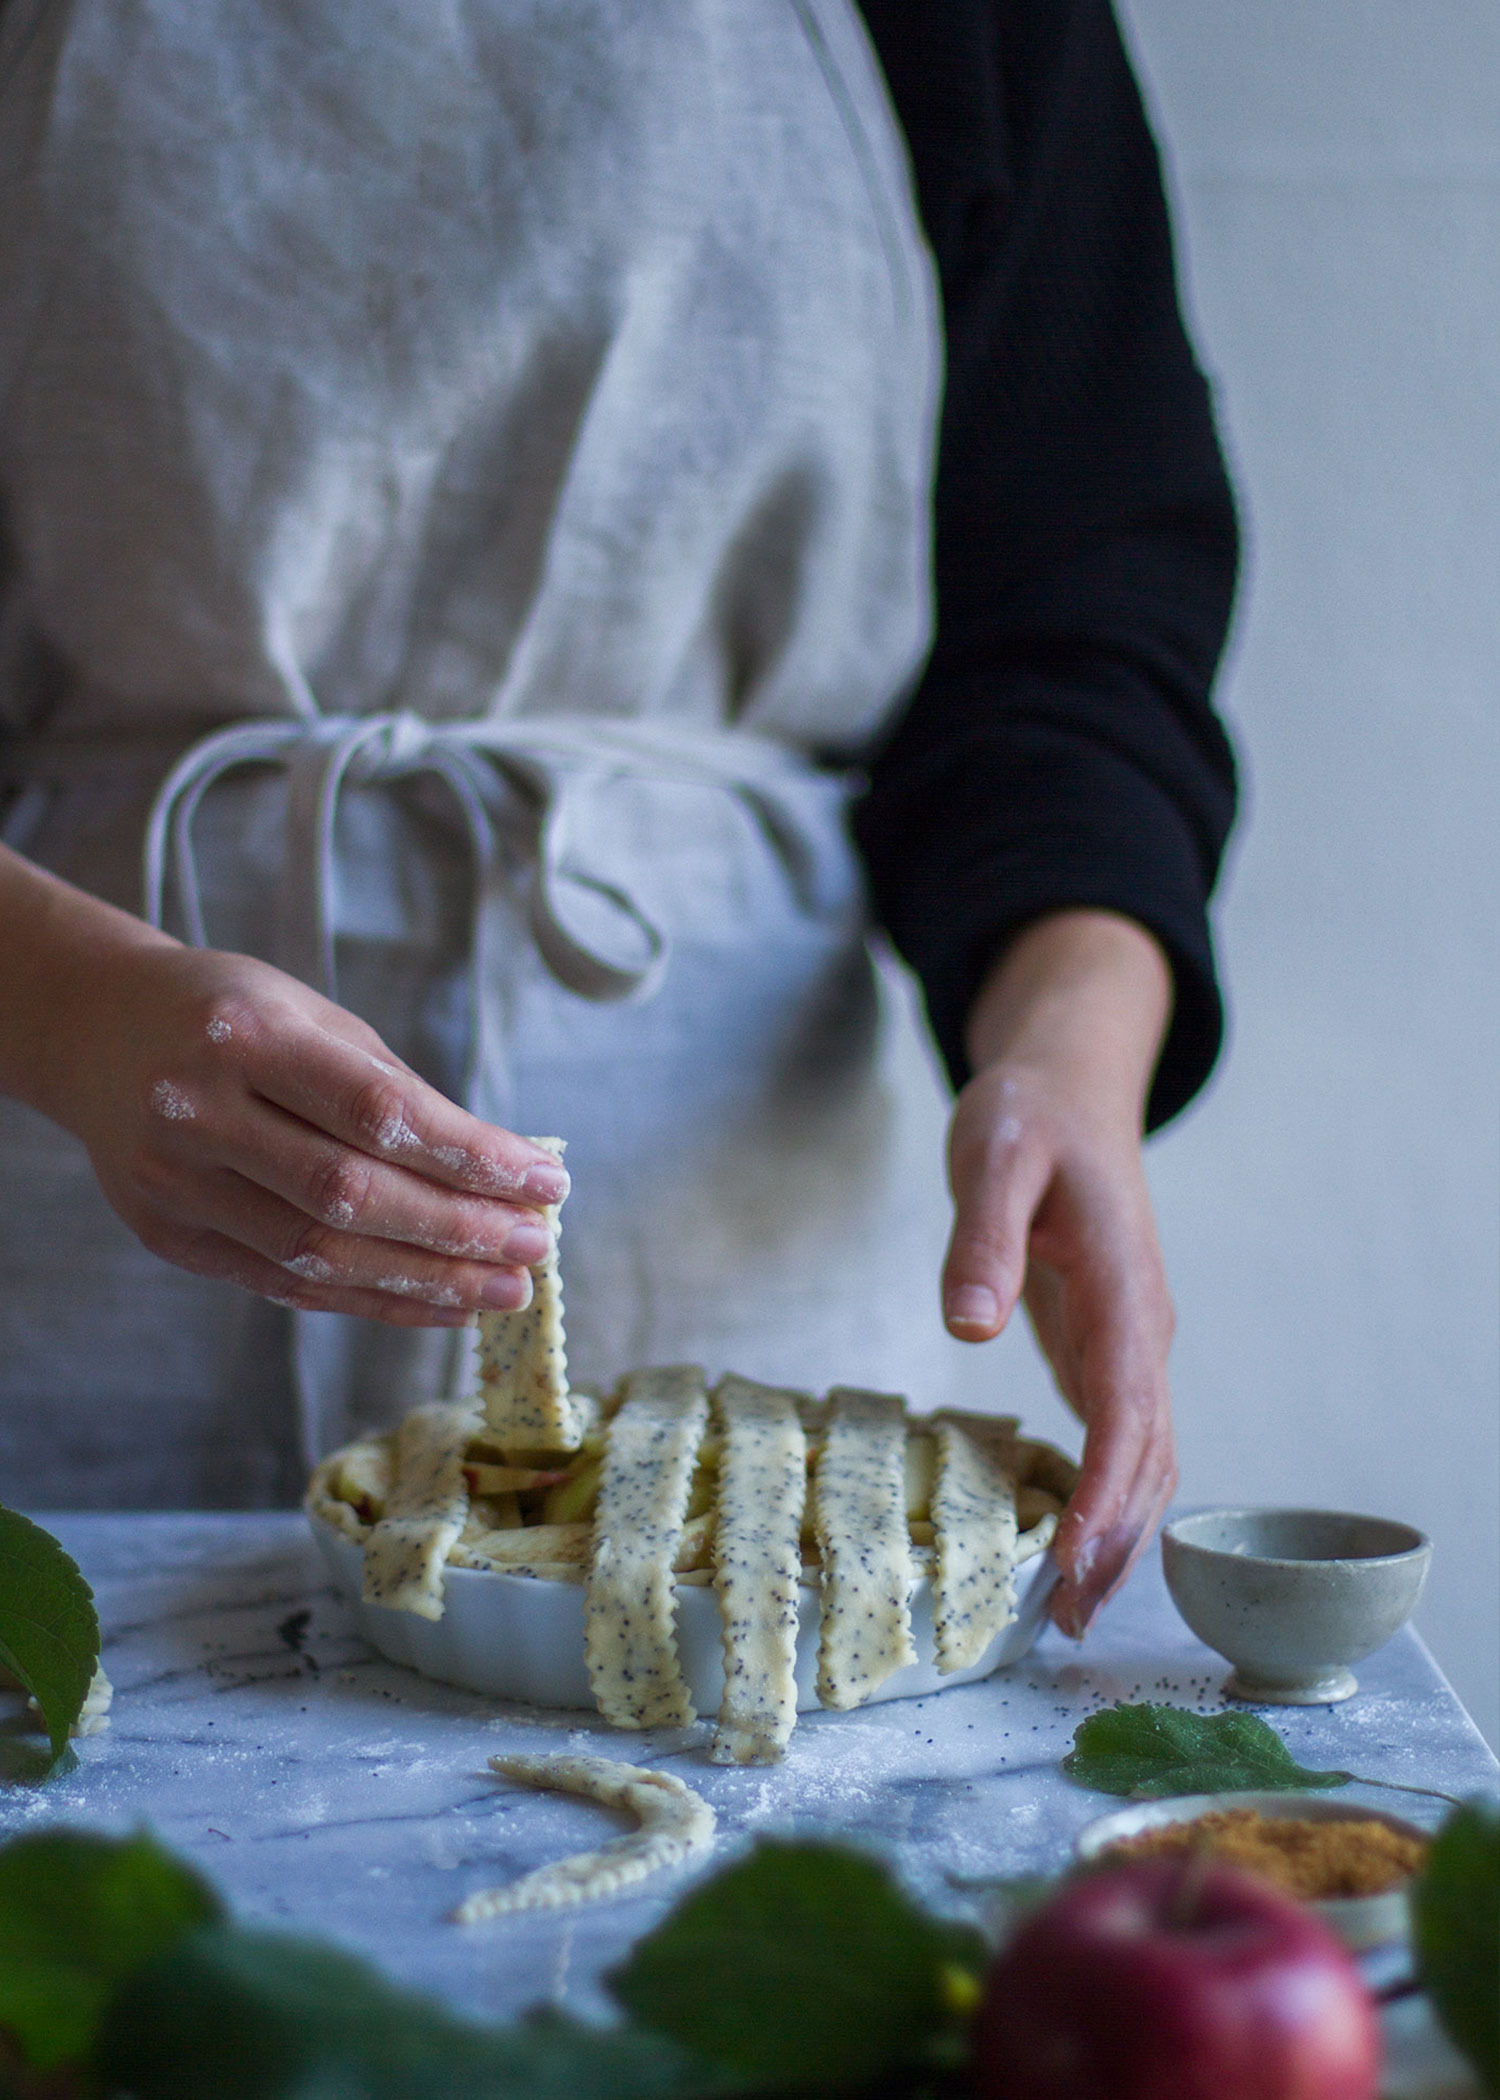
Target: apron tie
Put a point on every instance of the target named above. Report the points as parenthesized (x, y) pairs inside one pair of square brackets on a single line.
[(503, 780)]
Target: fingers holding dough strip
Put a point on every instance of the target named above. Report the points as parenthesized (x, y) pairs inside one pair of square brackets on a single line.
[(758, 1567), (675, 1824), (629, 1632)]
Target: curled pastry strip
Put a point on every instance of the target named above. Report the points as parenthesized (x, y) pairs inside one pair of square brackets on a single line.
[(675, 1824)]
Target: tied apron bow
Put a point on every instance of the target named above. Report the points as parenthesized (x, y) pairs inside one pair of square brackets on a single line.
[(522, 790), (477, 763)]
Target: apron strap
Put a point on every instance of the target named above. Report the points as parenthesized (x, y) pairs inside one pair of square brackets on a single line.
[(497, 775)]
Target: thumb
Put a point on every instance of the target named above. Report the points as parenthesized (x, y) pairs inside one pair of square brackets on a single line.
[(998, 1183)]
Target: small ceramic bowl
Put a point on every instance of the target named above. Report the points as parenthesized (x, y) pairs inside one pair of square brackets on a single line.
[(1361, 1922), (1291, 1597)]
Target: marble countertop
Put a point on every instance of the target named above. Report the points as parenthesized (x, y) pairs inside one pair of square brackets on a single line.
[(329, 1792)]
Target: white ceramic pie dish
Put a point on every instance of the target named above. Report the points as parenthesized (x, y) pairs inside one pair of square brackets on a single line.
[(521, 1636)]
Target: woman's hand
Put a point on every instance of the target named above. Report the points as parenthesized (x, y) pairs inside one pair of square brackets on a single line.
[(248, 1129), (1051, 1203)]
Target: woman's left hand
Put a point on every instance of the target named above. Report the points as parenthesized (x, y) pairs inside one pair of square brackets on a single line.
[(1051, 1203)]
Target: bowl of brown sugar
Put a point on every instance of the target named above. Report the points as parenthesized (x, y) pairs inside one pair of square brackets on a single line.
[(1353, 1865)]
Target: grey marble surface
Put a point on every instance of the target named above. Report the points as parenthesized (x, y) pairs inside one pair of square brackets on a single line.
[(328, 1792)]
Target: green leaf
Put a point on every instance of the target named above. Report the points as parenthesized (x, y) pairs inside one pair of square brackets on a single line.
[(1148, 1752), (803, 1964), (262, 2016), (1456, 1932), (49, 1630), (77, 1914)]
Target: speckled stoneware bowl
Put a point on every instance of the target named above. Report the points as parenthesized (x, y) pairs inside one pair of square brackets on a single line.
[(1361, 1922), (1292, 1597), (520, 1637)]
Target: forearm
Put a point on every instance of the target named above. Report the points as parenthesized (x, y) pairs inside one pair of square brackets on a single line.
[(1084, 997), (1061, 748), (58, 947)]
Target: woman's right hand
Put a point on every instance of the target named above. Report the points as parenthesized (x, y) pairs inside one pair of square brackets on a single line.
[(246, 1128)]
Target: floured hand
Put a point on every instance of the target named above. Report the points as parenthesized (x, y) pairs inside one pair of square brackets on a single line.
[(1051, 1203), (244, 1127)]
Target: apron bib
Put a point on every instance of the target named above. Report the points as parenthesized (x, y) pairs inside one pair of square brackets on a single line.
[(461, 467)]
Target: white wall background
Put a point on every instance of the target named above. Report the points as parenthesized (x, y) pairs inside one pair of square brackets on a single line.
[(1331, 1213), (1331, 1210)]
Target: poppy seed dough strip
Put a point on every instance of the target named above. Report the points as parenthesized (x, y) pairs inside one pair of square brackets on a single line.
[(675, 1824), (974, 1522), (523, 1362), (860, 1496), (629, 1638), (758, 1568), (425, 1511)]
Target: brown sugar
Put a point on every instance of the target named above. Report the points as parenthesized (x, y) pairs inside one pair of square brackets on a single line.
[(1313, 1860)]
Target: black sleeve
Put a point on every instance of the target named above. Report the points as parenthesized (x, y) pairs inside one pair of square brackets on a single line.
[(1060, 748)]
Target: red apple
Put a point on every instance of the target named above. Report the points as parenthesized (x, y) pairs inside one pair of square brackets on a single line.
[(1172, 1980)]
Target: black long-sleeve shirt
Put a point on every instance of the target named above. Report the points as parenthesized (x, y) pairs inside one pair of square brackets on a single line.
[(1060, 748)]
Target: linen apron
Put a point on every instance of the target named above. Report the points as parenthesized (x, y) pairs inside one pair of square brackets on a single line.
[(462, 464)]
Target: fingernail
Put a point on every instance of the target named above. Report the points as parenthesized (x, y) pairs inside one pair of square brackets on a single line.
[(506, 1293), (527, 1244), (972, 1305), (1069, 1620), (547, 1184)]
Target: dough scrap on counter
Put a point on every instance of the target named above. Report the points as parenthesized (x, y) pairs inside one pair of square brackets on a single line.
[(758, 1567), (859, 1491), (630, 1639), (675, 1824), (93, 1715), (424, 1513), (974, 1523), (523, 1361)]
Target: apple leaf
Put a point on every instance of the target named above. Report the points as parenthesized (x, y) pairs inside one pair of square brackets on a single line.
[(1456, 1931), (49, 1630), (1150, 1752), (263, 2016), (77, 1913), (805, 1965)]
